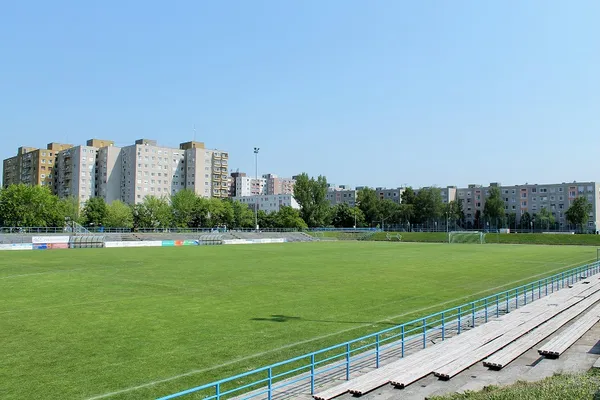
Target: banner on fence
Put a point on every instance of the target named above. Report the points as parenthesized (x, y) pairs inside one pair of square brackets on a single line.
[(50, 239), (147, 243), (58, 245), (254, 241), (16, 246)]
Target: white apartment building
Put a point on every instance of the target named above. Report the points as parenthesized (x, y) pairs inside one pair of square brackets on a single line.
[(247, 186), (532, 198), (151, 170), (269, 203), (75, 173), (109, 173)]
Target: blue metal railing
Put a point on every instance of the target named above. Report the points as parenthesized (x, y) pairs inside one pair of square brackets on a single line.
[(370, 350)]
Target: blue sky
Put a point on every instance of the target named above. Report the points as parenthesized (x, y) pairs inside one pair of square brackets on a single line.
[(379, 93)]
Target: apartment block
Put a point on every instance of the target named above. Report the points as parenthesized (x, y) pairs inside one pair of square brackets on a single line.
[(243, 185), (150, 170), (532, 198), (108, 173), (206, 170), (277, 185), (269, 203), (394, 195), (32, 166), (336, 195)]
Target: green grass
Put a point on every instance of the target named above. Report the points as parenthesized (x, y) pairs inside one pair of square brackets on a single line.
[(494, 238), (81, 323), (557, 387)]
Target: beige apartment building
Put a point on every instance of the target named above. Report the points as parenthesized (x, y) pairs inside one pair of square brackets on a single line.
[(532, 198), (32, 166), (127, 173)]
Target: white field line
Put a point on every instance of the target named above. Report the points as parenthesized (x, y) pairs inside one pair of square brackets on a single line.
[(198, 371)]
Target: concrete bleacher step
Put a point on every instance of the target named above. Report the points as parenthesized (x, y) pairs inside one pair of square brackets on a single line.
[(557, 346), (416, 366), (454, 368), (511, 352)]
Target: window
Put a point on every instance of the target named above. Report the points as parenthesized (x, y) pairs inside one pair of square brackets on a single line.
[(533, 190), (43, 161)]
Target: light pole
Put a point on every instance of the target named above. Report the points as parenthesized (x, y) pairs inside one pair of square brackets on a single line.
[(256, 149)]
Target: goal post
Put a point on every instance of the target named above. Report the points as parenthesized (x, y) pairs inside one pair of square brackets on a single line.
[(466, 237)]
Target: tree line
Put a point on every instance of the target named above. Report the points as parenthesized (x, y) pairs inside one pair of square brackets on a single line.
[(422, 207), (36, 206)]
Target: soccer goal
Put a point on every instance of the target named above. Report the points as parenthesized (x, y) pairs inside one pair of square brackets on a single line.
[(466, 237)]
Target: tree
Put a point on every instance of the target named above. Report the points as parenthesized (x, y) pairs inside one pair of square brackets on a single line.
[(266, 220), (30, 206), (344, 216), (311, 195), (118, 215), (578, 213), (525, 222), (389, 212), (184, 205), (428, 204), (544, 219), (153, 213), (94, 211), (511, 220), (408, 196), (477, 220), (455, 213), (288, 217), (243, 216), (368, 202), (69, 208), (493, 210)]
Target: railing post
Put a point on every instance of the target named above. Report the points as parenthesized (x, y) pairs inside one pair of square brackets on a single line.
[(443, 327), (347, 361), (524, 296), (486, 310), (497, 305), (218, 391), (424, 332), (507, 299), (473, 314), (546, 286), (532, 291), (312, 374), (516, 298), (270, 393), (377, 351), (402, 333), (539, 289), (459, 315)]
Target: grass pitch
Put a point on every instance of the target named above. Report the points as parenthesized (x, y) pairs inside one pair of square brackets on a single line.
[(140, 323)]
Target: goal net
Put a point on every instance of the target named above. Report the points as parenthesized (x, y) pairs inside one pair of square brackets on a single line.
[(466, 237)]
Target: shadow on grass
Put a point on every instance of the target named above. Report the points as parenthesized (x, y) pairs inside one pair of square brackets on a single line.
[(287, 318)]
